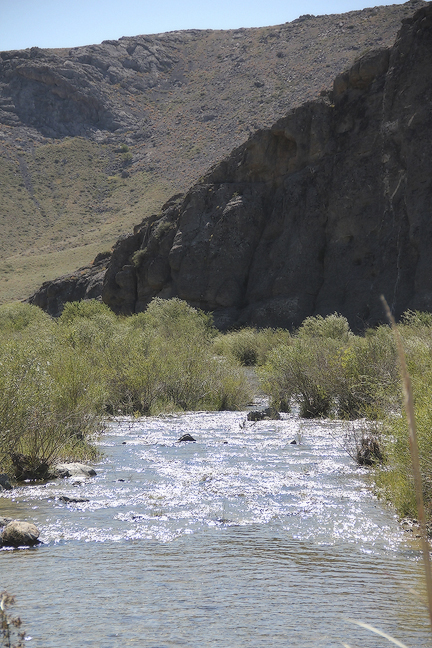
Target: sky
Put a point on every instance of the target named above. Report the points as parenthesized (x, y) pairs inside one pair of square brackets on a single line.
[(71, 23)]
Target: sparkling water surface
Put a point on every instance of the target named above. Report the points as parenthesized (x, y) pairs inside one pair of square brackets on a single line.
[(241, 539)]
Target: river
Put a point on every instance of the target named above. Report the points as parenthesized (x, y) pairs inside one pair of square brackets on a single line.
[(241, 539)]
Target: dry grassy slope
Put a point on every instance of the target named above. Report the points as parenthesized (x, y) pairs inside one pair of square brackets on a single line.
[(61, 204), (63, 199)]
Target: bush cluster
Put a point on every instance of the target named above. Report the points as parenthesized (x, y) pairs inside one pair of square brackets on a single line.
[(59, 379), (395, 481), (248, 346), (326, 369)]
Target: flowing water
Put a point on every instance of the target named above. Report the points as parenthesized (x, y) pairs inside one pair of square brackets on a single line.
[(241, 539)]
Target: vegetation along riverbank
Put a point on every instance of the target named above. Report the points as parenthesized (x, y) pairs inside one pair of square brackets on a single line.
[(61, 378)]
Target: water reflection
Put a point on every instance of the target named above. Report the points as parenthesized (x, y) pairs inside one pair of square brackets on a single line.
[(254, 542)]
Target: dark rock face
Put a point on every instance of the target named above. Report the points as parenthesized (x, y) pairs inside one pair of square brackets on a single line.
[(324, 212), (85, 283)]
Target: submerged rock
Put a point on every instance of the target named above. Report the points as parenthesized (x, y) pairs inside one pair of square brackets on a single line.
[(20, 534), (72, 500), (74, 470), (186, 437)]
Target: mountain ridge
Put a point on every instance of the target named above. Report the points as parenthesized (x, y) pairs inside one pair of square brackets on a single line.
[(93, 139), (323, 212)]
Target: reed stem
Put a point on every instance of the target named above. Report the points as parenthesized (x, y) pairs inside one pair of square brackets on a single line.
[(415, 458)]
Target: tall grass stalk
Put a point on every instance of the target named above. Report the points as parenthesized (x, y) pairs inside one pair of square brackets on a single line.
[(371, 628), (413, 444)]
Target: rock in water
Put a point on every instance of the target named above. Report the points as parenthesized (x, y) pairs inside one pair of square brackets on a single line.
[(186, 437), (74, 470), (72, 500), (20, 534), (264, 414)]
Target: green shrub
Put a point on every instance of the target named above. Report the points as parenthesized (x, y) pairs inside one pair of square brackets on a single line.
[(86, 309), (249, 347), (303, 372), (367, 384), (396, 481), (46, 407), (174, 318), (58, 379), (334, 327), (163, 359), (17, 317)]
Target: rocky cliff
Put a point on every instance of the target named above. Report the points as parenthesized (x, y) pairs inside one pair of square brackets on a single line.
[(323, 212), (93, 139)]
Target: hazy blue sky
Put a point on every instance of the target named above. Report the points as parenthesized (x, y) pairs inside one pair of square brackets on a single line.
[(69, 23)]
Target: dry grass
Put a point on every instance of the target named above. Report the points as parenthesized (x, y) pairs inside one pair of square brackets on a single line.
[(62, 203)]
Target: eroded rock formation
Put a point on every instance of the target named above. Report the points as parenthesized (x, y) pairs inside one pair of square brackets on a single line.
[(323, 212)]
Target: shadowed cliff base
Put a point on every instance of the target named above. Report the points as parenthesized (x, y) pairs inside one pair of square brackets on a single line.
[(323, 212)]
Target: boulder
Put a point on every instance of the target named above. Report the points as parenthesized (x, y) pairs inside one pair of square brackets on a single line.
[(186, 437), (20, 534), (5, 483), (73, 470)]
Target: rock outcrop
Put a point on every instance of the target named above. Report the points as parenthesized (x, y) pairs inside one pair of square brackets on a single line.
[(323, 212), (85, 283)]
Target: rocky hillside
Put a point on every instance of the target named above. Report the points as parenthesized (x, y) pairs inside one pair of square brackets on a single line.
[(93, 139), (324, 211)]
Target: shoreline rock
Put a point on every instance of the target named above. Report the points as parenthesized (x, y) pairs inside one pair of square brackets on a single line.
[(64, 470), (19, 534)]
